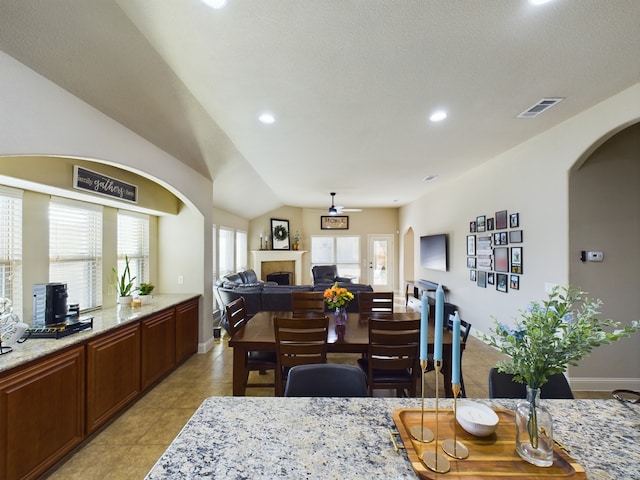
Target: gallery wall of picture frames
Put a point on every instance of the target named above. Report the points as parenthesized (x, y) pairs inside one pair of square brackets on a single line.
[(494, 251)]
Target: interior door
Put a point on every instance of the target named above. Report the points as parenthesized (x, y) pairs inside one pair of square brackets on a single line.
[(381, 265)]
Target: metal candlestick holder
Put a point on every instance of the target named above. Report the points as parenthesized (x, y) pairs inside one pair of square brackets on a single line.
[(434, 460), (453, 447), (420, 433)]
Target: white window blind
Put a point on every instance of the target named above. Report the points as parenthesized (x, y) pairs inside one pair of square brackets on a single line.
[(241, 250), (11, 247), (75, 250), (343, 251), (133, 242), (227, 254)]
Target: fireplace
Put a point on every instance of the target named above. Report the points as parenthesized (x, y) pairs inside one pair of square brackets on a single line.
[(268, 261)]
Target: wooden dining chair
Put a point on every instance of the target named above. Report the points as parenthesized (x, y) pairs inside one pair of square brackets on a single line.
[(465, 328), (392, 355), (307, 301), (375, 302), (299, 341), (261, 362)]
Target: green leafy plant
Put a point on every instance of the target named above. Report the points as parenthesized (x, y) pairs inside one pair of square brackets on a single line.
[(296, 237), (146, 288), (123, 283), (552, 334)]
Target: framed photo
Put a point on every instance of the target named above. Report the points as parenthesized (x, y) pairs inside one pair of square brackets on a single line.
[(280, 234), (501, 282), (514, 282), (500, 238), (514, 220), (515, 236), (480, 223), (490, 223), (472, 227), (501, 220), (491, 278), (501, 259), (516, 260), (334, 222), (472, 275), (482, 279), (471, 262), (471, 244)]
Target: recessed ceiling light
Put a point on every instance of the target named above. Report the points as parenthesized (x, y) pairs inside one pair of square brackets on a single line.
[(267, 118), (538, 2), (438, 116), (215, 3)]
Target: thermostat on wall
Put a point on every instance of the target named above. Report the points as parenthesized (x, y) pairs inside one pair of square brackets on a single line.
[(591, 256)]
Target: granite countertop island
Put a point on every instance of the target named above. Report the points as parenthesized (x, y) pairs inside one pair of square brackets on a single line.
[(348, 438), (103, 320)]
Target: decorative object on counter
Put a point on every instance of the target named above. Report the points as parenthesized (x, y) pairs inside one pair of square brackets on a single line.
[(420, 433), (144, 292), (296, 240), (337, 298), (280, 232), (124, 283), (550, 335), (11, 327)]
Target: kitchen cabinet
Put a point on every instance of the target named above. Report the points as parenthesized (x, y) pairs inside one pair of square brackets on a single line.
[(42, 406), (113, 374), (186, 330), (158, 346)]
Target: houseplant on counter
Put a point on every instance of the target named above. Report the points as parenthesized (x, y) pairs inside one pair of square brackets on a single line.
[(549, 335), (144, 292), (123, 283)]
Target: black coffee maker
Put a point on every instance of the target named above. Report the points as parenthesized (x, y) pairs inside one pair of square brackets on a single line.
[(49, 304)]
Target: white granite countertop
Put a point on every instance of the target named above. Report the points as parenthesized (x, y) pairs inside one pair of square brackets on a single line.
[(235, 438), (103, 321)]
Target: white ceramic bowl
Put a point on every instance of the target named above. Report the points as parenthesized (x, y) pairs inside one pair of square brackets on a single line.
[(476, 418)]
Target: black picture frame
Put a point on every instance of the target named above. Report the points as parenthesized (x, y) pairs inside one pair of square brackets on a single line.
[(472, 227), (334, 222), (482, 279), (490, 223), (491, 278), (501, 219), (480, 223), (515, 236), (500, 238), (514, 220), (472, 275), (471, 245), (280, 238), (514, 282), (501, 282), (471, 262), (516, 260), (501, 259)]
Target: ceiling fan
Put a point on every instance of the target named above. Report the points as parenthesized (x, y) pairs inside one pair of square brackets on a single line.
[(336, 209)]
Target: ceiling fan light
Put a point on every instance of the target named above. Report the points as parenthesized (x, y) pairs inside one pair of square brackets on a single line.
[(333, 210)]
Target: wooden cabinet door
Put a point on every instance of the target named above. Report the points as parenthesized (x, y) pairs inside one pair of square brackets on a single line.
[(186, 329), (158, 346), (113, 374), (42, 411)]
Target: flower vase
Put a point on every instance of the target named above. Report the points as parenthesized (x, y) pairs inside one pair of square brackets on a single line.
[(341, 315), (534, 430)]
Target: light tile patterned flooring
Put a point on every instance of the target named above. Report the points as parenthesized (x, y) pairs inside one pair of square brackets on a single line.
[(130, 445)]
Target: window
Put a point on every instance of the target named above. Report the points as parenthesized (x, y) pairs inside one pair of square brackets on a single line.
[(227, 253), (241, 250), (343, 251), (133, 242), (75, 250), (11, 247)]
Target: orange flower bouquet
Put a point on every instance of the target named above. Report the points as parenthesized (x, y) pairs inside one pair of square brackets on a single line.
[(337, 297)]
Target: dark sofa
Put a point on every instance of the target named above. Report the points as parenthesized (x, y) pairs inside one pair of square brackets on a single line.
[(269, 296)]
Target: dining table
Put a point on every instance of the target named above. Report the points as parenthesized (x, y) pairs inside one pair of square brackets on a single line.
[(352, 337), (351, 438)]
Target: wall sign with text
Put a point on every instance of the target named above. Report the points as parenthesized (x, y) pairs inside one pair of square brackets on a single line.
[(95, 182), (334, 222)]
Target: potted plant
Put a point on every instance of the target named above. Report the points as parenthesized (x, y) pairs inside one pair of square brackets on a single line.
[(296, 240), (144, 292), (123, 283)]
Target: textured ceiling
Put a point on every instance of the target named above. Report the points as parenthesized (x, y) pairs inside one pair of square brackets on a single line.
[(351, 83)]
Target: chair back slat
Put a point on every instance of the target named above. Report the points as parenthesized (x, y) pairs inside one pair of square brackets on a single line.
[(236, 312), (375, 302), (307, 301)]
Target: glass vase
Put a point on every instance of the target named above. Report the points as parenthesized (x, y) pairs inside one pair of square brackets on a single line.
[(534, 430), (341, 315)]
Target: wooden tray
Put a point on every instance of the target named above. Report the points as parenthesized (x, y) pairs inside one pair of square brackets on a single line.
[(494, 456)]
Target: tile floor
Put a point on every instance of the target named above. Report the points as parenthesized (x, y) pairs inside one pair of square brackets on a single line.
[(129, 446)]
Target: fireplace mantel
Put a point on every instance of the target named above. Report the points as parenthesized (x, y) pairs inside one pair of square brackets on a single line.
[(260, 256)]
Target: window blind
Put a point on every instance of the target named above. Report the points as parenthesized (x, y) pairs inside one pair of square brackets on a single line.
[(133, 242), (225, 237), (75, 250), (11, 247), (241, 250)]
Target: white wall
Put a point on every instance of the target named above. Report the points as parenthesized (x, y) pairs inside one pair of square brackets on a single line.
[(39, 118), (530, 179)]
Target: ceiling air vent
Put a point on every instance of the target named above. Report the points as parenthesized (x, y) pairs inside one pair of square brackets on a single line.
[(541, 106)]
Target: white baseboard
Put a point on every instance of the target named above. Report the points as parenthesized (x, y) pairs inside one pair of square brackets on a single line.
[(205, 347), (596, 384)]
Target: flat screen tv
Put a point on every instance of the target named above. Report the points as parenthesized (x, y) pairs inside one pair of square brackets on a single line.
[(433, 252)]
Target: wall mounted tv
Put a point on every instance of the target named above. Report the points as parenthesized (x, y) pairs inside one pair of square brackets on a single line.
[(434, 252)]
